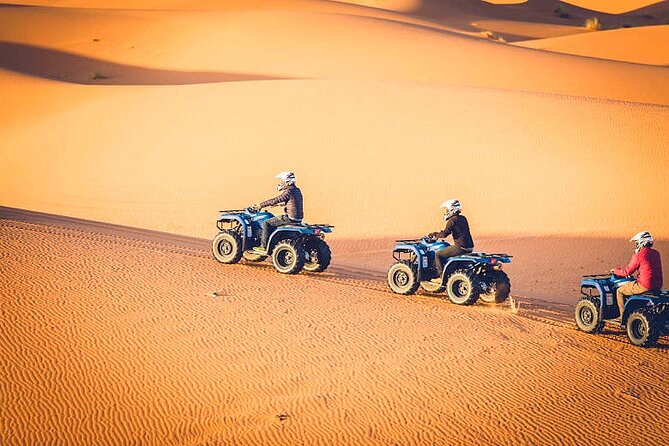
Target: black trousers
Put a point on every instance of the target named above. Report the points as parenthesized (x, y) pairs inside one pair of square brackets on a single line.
[(442, 255), (269, 225)]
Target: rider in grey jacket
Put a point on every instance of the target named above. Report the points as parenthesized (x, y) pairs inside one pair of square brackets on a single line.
[(291, 198)]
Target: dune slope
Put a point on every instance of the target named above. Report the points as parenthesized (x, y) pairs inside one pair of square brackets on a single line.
[(134, 165), (168, 156)]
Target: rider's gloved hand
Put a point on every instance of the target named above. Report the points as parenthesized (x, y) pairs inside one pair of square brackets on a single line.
[(254, 208)]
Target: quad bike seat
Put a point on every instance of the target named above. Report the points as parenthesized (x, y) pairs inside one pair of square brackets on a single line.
[(662, 294)]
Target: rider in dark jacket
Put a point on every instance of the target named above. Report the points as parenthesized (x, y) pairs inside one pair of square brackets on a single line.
[(291, 198), (456, 225)]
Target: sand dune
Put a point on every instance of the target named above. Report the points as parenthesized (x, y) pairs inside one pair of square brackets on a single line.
[(133, 348), (174, 178), (536, 18), (154, 114), (320, 45), (636, 45), (621, 6), (606, 6), (167, 157)]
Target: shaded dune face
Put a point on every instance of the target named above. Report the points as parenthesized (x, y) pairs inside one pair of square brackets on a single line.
[(68, 67), (538, 18)]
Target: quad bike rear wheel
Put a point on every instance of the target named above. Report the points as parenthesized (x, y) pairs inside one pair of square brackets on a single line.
[(642, 328), (288, 257), (227, 246), (497, 288), (403, 277), (463, 288), (587, 315), (318, 255)]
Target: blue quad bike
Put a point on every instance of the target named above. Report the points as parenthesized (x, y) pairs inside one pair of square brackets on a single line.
[(292, 247), (645, 316), (466, 277)]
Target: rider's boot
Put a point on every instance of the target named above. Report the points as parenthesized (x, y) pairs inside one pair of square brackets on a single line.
[(437, 278)]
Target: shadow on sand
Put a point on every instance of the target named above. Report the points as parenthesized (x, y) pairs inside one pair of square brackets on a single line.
[(68, 67)]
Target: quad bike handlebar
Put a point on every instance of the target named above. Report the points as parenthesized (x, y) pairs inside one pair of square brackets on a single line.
[(234, 211), (249, 209), (425, 238)]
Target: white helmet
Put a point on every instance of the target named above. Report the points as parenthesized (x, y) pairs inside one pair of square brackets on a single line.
[(452, 207), (642, 239), (287, 178)]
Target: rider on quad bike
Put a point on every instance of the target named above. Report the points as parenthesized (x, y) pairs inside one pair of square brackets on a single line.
[(456, 225), (647, 262), (291, 198)]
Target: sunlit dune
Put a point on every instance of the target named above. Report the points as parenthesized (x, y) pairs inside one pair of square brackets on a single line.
[(618, 6), (607, 6), (378, 89), (636, 45)]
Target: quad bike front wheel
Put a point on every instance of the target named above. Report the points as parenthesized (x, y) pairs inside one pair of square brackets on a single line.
[(227, 247), (587, 315), (497, 288), (403, 278), (318, 255), (642, 328), (463, 288), (288, 257)]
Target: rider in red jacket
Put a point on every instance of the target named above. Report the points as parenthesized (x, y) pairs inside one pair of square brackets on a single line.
[(647, 262)]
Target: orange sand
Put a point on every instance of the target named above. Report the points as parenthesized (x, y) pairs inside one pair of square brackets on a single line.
[(117, 338), (155, 114)]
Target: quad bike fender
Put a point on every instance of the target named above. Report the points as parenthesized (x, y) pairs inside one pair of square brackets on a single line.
[(294, 231), (420, 253), (605, 292), (633, 303), (467, 262), (247, 231), (455, 263)]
